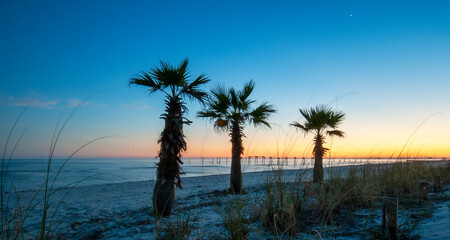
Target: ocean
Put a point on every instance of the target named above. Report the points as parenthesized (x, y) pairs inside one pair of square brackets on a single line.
[(30, 174)]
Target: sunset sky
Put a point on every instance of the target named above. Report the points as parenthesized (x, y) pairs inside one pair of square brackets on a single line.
[(386, 65)]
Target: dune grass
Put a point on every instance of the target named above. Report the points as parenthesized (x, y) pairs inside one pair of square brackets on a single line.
[(236, 217), (290, 208), (16, 206), (177, 229)]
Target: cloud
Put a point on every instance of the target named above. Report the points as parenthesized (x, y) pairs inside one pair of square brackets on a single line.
[(135, 105), (75, 102), (34, 99), (32, 102)]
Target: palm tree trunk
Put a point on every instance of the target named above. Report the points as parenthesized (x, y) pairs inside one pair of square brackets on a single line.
[(236, 151), (318, 160), (163, 197), (172, 143)]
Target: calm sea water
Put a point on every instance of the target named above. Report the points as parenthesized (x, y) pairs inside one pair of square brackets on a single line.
[(26, 174)]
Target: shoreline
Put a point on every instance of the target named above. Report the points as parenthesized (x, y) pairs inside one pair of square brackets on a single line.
[(289, 171), (275, 168)]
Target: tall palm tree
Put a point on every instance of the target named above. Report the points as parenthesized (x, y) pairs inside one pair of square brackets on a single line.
[(321, 121), (175, 83), (230, 110)]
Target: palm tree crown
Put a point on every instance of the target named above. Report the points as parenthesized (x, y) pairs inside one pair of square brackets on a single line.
[(227, 106), (173, 81), (320, 119)]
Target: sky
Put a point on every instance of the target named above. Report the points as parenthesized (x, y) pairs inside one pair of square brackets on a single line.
[(384, 64)]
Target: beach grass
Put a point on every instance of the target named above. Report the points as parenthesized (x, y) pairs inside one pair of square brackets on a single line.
[(178, 229), (236, 217), (16, 206), (303, 207)]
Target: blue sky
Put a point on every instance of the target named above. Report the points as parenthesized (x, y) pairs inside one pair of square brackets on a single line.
[(385, 63)]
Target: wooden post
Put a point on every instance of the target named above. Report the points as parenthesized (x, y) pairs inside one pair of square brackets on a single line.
[(437, 184), (423, 190), (390, 213)]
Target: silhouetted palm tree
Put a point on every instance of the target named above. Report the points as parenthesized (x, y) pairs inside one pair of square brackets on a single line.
[(321, 121), (230, 110), (174, 82)]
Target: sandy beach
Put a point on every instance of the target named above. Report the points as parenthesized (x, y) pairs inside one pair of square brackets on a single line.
[(123, 210)]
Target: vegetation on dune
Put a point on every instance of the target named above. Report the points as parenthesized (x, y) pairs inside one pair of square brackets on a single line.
[(321, 121), (175, 83), (17, 206), (235, 217), (230, 110), (282, 208), (350, 198)]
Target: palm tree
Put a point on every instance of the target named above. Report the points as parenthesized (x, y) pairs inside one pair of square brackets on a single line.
[(230, 110), (175, 83), (321, 121)]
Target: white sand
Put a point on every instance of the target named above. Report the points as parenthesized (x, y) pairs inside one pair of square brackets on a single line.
[(438, 227), (123, 210)]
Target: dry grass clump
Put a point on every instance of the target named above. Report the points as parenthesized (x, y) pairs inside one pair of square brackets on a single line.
[(16, 206), (352, 189), (177, 229), (364, 185), (236, 217), (290, 208), (282, 207), (403, 178)]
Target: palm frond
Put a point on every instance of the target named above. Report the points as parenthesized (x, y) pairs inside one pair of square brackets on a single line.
[(306, 113), (193, 90), (145, 79), (208, 114), (234, 99), (243, 102), (246, 91), (337, 133), (171, 76), (219, 91), (260, 114), (182, 68), (219, 100), (219, 120), (336, 118), (217, 105), (300, 126), (165, 73)]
